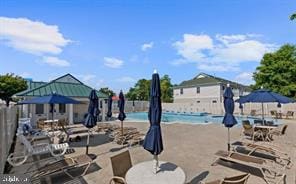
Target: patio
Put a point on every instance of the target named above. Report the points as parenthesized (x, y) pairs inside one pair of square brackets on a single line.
[(191, 147)]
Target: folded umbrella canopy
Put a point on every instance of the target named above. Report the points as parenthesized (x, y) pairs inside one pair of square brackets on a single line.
[(264, 96), (153, 140), (92, 114), (121, 115), (228, 120), (109, 112)]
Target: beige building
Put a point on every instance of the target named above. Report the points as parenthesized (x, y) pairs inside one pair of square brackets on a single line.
[(206, 88)]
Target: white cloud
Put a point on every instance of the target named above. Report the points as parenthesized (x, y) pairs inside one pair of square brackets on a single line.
[(33, 37), (25, 75), (192, 46), (100, 83), (222, 53), (126, 79), (54, 61), (86, 78), (245, 78), (178, 62), (112, 62), (217, 68), (147, 46)]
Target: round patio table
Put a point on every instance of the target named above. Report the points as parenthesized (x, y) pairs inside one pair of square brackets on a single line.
[(168, 173)]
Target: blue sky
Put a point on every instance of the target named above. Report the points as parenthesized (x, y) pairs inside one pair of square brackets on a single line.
[(115, 43)]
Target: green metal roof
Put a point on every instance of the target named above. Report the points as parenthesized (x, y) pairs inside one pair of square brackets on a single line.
[(31, 85), (74, 88), (206, 79)]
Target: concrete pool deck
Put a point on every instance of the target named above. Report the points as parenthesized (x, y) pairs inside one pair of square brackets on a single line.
[(191, 147)]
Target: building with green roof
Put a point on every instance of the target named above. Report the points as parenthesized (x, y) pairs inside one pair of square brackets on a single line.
[(66, 85), (205, 88)]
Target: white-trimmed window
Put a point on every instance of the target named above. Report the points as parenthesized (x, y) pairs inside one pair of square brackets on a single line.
[(181, 91), (62, 108), (39, 108), (197, 90)]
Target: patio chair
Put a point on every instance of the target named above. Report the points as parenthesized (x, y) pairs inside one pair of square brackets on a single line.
[(253, 163), (55, 150), (249, 131), (121, 163), (279, 132), (65, 165), (289, 114), (40, 123), (239, 179), (253, 112), (273, 113)]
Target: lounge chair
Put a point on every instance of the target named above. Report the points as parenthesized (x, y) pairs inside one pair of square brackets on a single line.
[(65, 165), (253, 163), (121, 163), (264, 152), (240, 179), (56, 150), (73, 132)]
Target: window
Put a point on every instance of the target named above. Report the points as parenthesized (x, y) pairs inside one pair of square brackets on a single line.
[(214, 101), (39, 108), (223, 87), (181, 91), (197, 89), (198, 101), (62, 108)]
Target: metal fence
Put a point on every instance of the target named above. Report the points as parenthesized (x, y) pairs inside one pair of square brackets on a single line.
[(8, 125)]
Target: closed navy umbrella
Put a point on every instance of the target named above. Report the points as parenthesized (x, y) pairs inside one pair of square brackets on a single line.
[(228, 120), (264, 96), (92, 114), (121, 115), (153, 139), (109, 112)]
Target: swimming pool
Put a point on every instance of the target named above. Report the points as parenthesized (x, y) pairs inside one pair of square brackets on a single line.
[(193, 118)]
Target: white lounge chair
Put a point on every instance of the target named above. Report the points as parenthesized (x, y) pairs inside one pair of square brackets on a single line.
[(56, 150)]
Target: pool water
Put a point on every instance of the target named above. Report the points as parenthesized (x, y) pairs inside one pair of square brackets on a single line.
[(194, 118)]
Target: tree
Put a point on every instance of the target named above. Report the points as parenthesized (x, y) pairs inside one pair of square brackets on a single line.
[(10, 84), (166, 89), (293, 16), (277, 71), (142, 88), (107, 91)]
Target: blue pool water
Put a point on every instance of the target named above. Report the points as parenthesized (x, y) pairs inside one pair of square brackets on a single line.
[(194, 118)]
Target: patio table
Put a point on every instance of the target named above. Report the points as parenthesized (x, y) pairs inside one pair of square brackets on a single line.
[(168, 173), (266, 130)]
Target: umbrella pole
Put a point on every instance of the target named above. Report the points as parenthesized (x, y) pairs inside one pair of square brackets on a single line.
[(228, 145), (155, 165), (87, 143), (122, 128), (262, 113), (52, 107)]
